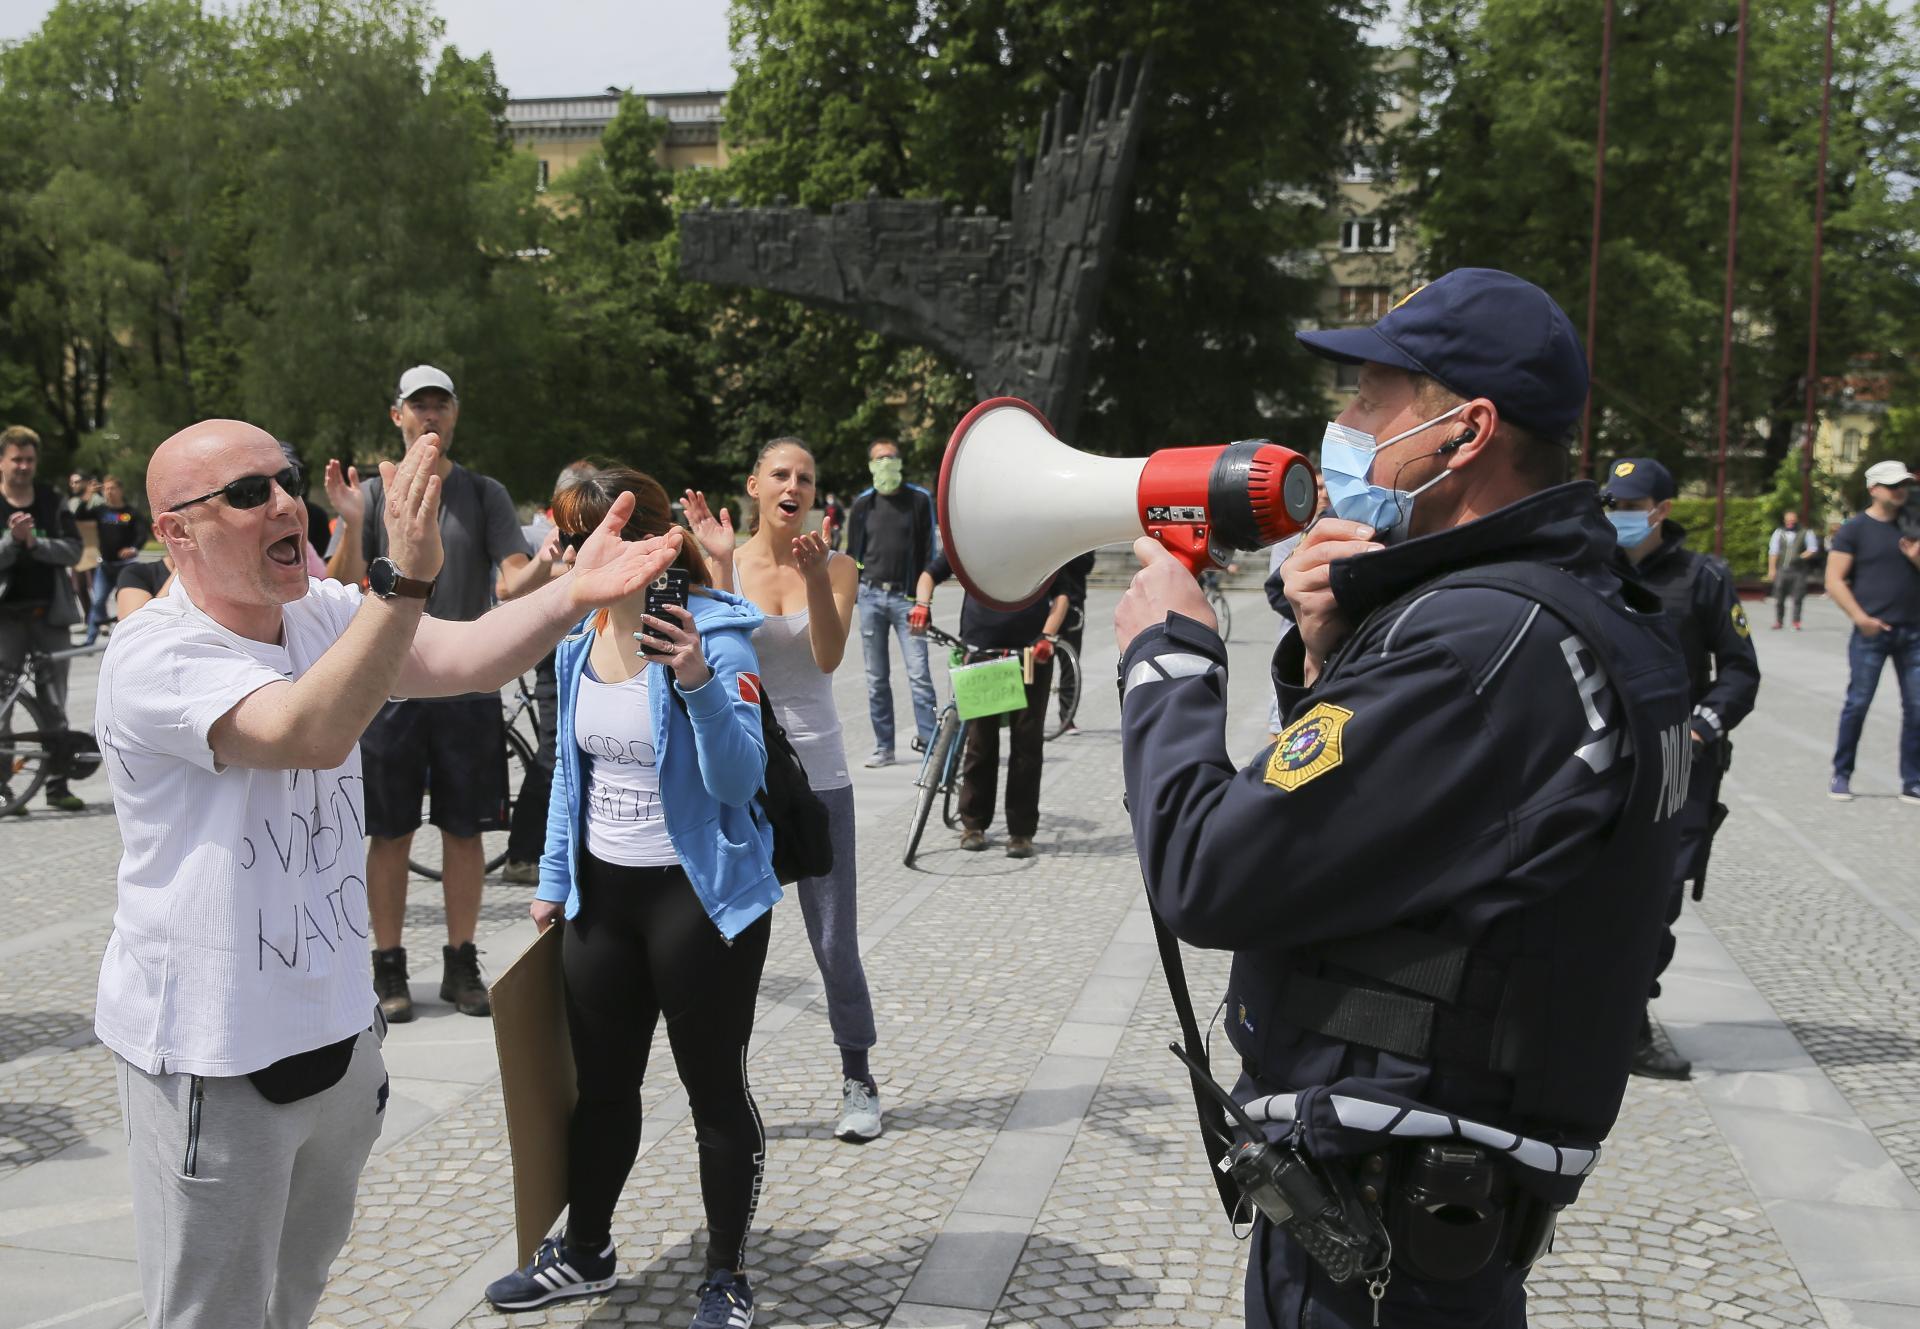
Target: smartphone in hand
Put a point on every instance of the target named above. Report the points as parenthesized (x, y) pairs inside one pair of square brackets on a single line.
[(669, 588)]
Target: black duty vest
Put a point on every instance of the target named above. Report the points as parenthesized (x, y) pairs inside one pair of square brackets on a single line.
[(1675, 581), (1529, 1025)]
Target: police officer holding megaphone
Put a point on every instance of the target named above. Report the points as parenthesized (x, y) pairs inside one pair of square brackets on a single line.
[(1444, 884)]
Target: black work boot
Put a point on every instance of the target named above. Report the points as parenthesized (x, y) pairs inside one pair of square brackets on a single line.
[(390, 985), (1654, 1057), (460, 982)]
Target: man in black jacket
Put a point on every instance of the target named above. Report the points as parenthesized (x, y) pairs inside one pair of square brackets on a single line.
[(1443, 884), (38, 546), (1723, 678), (891, 538)]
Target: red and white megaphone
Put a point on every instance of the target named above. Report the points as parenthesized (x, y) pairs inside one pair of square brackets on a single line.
[(1016, 504)]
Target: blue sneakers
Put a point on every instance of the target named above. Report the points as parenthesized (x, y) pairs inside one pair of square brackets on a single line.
[(726, 1302), (556, 1273), (1840, 791)]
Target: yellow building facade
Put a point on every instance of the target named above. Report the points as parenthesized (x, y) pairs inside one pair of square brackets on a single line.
[(560, 132)]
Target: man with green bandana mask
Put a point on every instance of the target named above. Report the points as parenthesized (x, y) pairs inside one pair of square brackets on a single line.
[(891, 536)]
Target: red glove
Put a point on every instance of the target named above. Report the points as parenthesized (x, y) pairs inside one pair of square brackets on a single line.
[(918, 619), (1043, 650)]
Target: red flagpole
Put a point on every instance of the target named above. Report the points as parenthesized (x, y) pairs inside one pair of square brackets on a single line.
[(1726, 317), (1819, 243), (1593, 261)]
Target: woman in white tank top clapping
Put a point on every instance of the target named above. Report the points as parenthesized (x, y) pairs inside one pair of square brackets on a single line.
[(808, 594)]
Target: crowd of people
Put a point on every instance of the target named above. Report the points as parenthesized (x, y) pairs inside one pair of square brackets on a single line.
[(256, 960)]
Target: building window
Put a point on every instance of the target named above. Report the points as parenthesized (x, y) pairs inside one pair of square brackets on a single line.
[(1365, 304), (1366, 235), (1359, 168), (1850, 446), (542, 186)]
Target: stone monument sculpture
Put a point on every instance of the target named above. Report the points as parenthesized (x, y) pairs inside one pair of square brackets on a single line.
[(1011, 300)]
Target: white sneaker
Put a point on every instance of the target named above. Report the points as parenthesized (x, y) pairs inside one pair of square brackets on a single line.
[(859, 1113), (879, 759)]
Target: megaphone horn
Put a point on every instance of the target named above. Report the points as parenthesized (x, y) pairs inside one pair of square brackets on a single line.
[(1016, 504)]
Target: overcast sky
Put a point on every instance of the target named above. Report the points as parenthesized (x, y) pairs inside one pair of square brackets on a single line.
[(562, 46)]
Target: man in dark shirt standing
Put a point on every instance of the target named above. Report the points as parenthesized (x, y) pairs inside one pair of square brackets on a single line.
[(1873, 574), (890, 536), (989, 633), (38, 545), (123, 532), (454, 745)]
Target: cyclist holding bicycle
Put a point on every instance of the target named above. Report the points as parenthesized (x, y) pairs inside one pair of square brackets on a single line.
[(988, 633), (39, 543)]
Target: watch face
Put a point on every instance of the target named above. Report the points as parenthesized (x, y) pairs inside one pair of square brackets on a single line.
[(380, 576)]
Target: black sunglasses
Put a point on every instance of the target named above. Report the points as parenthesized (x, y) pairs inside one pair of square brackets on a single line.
[(573, 540), (250, 491)]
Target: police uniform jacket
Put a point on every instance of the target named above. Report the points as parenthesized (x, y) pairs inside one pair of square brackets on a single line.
[(1463, 791), (1723, 673)]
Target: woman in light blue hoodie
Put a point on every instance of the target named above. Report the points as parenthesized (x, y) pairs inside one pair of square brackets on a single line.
[(662, 865)]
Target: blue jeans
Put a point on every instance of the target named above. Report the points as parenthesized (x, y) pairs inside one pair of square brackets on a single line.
[(880, 610), (104, 576), (1865, 657)]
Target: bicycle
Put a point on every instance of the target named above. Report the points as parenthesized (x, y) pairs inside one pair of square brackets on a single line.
[(1068, 686), (1217, 601), (521, 742), (30, 756)]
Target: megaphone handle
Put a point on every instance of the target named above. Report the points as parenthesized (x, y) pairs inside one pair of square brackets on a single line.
[(1189, 544)]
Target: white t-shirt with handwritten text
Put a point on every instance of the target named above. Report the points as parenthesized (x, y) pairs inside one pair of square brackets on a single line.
[(241, 933), (613, 725)]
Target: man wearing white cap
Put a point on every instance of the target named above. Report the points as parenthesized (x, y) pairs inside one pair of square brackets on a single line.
[(1873, 574), (454, 745)]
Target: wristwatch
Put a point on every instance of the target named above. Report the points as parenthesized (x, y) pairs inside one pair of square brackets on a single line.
[(385, 580)]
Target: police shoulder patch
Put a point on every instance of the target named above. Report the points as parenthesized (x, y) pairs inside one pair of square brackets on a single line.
[(1740, 624), (1308, 748)]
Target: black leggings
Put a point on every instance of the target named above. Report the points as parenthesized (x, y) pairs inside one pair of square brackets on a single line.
[(642, 946)]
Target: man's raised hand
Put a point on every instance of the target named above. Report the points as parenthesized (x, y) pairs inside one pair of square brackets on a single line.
[(608, 569), (345, 494), (412, 494)]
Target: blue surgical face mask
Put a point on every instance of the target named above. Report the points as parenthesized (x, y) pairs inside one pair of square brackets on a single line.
[(1630, 528), (1346, 464)]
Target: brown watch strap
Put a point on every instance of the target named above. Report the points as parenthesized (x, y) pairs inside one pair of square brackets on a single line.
[(412, 587)]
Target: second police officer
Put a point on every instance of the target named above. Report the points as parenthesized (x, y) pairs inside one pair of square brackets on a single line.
[(1443, 884), (1723, 677)]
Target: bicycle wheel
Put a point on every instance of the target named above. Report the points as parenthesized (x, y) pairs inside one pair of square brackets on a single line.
[(1069, 684), (931, 780), (26, 751), (519, 759), (1223, 612), (950, 781)]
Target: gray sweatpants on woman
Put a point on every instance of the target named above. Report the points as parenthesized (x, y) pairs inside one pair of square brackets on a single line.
[(832, 910), (240, 1205)]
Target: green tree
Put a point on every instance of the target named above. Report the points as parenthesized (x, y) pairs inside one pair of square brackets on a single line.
[(1499, 165), (1251, 109)]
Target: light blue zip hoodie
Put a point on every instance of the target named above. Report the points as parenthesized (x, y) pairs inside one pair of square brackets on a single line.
[(712, 763)]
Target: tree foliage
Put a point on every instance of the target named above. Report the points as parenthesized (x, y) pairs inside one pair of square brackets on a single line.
[(1498, 165), (1251, 108)]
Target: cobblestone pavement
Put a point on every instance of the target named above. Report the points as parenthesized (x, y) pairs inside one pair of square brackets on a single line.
[(1040, 1165)]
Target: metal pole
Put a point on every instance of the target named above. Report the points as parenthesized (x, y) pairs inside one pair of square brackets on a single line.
[(1726, 316), (1593, 261), (1819, 242)]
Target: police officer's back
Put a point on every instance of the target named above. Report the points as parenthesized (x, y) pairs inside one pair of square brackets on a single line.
[(1723, 677), (1444, 883)]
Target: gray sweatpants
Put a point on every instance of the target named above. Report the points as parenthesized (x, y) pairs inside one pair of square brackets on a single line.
[(831, 906), (240, 1205)]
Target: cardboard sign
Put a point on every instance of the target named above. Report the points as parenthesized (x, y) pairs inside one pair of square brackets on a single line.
[(992, 687), (536, 1081)]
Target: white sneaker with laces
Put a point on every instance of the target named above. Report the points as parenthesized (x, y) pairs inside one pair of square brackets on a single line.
[(859, 1113)]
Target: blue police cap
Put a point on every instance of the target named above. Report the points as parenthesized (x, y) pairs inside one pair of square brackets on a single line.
[(1640, 477), (1481, 333)]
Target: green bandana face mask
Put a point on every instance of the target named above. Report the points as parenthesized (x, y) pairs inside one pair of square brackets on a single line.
[(886, 473)]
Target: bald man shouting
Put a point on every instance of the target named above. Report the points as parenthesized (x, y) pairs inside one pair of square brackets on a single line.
[(236, 991)]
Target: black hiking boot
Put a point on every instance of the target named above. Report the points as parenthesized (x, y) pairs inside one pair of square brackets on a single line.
[(460, 982), (390, 985)]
